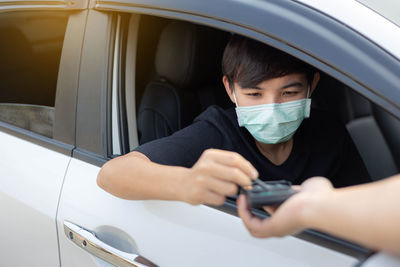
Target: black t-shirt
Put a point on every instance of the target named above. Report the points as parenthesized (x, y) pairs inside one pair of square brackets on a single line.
[(321, 147)]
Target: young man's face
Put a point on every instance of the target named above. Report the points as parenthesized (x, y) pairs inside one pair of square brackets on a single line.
[(283, 89)]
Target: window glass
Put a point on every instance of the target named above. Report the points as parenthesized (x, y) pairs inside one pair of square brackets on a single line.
[(30, 50)]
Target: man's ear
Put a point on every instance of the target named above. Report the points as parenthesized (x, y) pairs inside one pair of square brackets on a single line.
[(314, 82), (228, 88)]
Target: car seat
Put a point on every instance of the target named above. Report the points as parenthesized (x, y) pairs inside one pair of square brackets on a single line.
[(366, 132), (188, 69), (374, 131), (390, 127)]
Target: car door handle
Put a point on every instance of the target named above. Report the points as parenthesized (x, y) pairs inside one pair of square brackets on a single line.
[(87, 240)]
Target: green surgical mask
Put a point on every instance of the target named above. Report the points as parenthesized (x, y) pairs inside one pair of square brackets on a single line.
[(273, 123)]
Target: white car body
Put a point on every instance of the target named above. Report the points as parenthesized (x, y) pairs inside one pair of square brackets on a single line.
[(41, 188)]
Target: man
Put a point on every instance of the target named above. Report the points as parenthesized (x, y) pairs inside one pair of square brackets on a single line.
[(265, 136)]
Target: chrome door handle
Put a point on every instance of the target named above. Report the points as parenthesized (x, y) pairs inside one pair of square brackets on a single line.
[(89, 242)]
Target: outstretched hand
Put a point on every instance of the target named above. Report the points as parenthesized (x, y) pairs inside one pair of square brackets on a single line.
[(216, 174), (291, 216)]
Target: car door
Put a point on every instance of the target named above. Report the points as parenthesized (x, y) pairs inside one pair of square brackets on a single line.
[(96, 227), (36, 150)]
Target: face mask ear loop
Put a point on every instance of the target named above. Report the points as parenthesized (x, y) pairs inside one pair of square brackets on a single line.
[(308, 93), (234, 95)]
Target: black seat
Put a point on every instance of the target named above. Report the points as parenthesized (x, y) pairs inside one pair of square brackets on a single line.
[(187, 65), (374, 131), (390, 127), (367, 132)]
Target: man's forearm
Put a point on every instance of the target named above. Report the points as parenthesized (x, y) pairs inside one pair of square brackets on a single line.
[(367, 214), (136, 177)]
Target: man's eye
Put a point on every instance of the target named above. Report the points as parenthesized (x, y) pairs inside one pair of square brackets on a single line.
[(289, 93), (254, 94)]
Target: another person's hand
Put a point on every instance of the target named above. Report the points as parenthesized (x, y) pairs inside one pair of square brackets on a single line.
[(216, 175), (291, 216)]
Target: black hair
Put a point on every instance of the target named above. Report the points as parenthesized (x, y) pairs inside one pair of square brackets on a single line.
[(249, 62)]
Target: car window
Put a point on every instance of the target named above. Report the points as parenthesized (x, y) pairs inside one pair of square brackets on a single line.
[(30, 50), (147, 90), (366, 122)]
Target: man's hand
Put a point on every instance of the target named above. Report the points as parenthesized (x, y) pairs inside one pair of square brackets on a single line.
[(216, 175), (291, 216)]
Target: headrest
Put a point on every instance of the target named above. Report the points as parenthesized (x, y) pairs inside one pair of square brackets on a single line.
[(390, 127), (336, 97), (361, 106), (189, 54)]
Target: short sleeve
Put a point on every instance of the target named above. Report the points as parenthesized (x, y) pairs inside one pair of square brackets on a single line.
[(184, 147)]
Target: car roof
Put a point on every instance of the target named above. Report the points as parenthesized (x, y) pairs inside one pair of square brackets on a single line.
[(373, 21), (386, 8)]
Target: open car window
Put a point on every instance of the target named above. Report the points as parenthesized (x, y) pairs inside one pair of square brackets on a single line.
[(168, 96), (159, 77)]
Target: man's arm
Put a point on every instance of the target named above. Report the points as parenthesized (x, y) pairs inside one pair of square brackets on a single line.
[(367, 214), (213, 177)]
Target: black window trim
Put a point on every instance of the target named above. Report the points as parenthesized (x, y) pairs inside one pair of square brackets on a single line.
[(95, 84), (310, 235), (36, 138), (89, 157)]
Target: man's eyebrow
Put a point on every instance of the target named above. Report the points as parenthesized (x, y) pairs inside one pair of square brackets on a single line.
[(292, 85), (252, 87)]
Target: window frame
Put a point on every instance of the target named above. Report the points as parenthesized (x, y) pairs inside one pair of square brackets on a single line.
[(373, 94), (270, 24), (101, 60), (15, 5), (118, 126)]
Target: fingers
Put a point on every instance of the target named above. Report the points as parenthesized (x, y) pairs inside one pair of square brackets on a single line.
[(287, 218), (270, 209), (256, 226), (243, 209), (217, 172), (218, 186), (282, 222), (229, 174), (231, 159), (214, 199)]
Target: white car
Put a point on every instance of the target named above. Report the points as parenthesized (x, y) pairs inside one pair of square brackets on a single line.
[(80, 84)]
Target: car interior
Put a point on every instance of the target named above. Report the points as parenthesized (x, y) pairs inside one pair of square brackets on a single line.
[(178, 75), (176, 79), (185, 78)]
